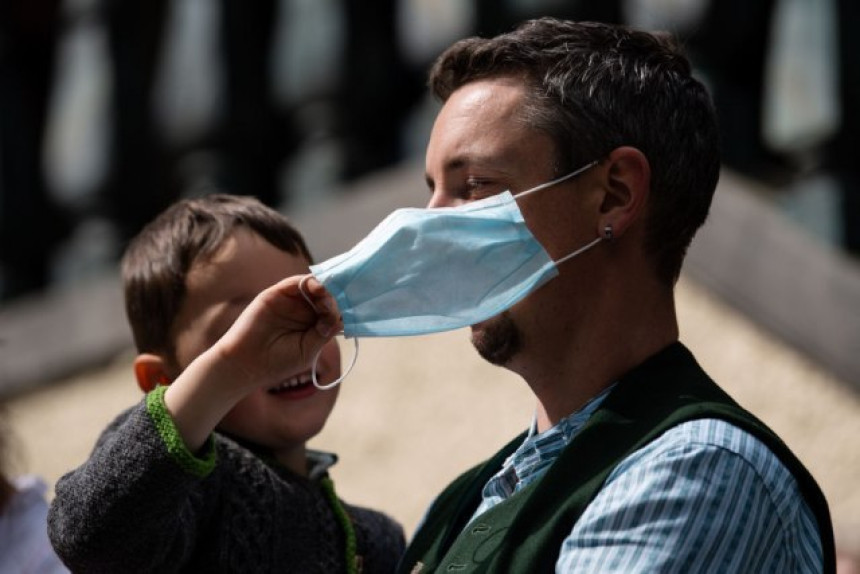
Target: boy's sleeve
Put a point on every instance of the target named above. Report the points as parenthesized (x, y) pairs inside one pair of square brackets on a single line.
[(138, 503), (200, 465)]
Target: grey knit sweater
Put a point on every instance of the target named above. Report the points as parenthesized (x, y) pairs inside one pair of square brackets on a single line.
[(133, 508)]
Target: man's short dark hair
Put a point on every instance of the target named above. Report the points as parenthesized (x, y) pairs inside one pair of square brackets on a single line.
[(595, 87), (156, 264)]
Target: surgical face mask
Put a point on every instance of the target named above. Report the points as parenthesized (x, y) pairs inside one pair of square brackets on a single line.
[(438, 269)]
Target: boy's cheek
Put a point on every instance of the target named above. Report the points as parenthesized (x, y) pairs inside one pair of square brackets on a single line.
[(329, 365)]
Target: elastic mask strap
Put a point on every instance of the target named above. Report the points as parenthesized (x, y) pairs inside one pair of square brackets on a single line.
[(582, 249), (558, 180), (305, 295), (339, 379), (317, 356)]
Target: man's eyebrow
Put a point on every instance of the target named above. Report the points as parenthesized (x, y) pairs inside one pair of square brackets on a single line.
[(450, 165), (478, 160), (493, 162)]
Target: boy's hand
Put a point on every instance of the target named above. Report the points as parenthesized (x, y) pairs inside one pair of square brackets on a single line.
[(279, 333), (275, 337)]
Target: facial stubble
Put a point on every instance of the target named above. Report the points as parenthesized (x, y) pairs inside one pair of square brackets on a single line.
[(498, 340)]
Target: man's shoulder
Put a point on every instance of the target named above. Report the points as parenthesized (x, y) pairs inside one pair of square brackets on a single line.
[(687, 492), (720, 445), (709, 434)]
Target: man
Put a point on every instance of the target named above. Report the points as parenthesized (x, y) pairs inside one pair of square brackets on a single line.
[(636, 460)]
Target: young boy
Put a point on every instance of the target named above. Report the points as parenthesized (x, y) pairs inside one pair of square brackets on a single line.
[(225, 344)]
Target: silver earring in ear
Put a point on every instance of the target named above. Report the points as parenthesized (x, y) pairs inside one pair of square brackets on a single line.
[(607, 232)]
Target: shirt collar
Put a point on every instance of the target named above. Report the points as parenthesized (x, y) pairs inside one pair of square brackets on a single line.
[(570, 425), (539, 450), (319, 462), (536, 454)]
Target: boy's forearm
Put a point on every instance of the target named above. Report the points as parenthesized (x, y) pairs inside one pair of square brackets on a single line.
[(201, 396)]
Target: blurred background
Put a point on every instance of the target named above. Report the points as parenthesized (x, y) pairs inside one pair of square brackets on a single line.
[(112, 109)]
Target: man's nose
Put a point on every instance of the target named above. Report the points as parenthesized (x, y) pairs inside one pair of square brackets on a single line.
[(441, 199)]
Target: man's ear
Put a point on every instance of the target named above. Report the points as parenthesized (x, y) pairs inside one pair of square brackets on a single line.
[(627, 184), (150, 371)]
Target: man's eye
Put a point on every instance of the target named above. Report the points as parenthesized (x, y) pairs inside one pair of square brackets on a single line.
[(478, 188)]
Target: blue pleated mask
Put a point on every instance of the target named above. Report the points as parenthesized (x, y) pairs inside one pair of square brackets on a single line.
[(436, 269)]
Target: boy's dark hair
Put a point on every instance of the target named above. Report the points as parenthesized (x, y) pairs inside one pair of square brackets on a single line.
[(156, 263), (595, 87)]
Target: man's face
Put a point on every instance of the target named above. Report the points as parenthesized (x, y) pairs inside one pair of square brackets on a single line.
[(480, 147)]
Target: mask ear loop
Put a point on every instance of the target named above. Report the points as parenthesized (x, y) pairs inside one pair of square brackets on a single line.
[(582, 249), (557, 180), (340, 379), (314, 379)]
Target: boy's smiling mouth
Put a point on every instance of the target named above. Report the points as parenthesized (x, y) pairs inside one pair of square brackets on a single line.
[(292, 385)]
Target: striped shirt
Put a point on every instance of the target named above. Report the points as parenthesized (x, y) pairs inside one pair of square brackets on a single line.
[(703, 497)]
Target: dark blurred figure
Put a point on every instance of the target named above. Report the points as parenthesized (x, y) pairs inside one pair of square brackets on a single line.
[(257, 136), (731, 47), (378, 88), (31, 224), (139, 184), (842, 158)]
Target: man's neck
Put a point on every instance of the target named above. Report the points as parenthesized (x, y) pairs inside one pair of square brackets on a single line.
[(568, 366)]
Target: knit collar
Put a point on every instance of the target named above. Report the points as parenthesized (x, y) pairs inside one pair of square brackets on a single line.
[(318, 462)]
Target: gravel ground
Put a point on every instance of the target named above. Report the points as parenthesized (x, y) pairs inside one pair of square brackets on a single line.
[(417, 411)]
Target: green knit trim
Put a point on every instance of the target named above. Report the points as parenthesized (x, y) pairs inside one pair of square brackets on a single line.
[(199, 466), (345, 523)]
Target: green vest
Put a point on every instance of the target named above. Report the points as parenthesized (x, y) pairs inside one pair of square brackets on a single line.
[(525, 532)]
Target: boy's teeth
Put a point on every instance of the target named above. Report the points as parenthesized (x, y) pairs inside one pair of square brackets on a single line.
[(293, 382)]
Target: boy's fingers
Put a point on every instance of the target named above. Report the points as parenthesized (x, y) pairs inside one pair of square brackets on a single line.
[(313, 287), (328, 307), (317, 296), (319, 299), (328, 317), (328, 327)]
